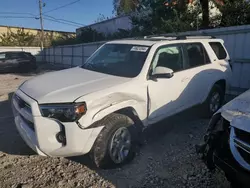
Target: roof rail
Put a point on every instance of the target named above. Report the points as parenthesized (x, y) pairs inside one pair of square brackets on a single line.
[(179, 37)]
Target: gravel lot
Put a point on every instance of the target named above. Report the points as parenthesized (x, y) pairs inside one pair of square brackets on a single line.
[(167, 159)]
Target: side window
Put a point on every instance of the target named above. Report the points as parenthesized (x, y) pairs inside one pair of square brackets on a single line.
[(14, 56), (170, 57), (218, 50), (196, 55), (2, 56)]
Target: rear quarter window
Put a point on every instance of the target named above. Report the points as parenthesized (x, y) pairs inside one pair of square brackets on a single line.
[(218, 50)]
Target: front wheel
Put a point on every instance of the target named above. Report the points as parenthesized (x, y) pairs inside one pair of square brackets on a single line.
[(115, 144)]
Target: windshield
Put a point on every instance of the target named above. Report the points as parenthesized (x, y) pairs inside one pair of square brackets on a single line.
[(123, 60)]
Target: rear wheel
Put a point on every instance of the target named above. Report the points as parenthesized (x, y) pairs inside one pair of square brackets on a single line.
[(115, 145), (214, 101)]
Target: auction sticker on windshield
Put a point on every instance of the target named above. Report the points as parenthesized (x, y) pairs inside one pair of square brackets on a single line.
[(139, 49)]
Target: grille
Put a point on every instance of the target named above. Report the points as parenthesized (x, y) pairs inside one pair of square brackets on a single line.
[(22, 104), (242, 143), (244, 154), (242, 135), (30, 124)]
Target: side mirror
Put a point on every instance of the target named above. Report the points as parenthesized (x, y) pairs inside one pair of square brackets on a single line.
[(162, 72)]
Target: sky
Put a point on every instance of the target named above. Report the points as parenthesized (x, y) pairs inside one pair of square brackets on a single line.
[(84, 12)]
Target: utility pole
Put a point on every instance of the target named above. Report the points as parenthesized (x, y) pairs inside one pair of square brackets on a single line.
[(41, 22)]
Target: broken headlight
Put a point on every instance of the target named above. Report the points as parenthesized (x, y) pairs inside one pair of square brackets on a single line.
[(64, 112)]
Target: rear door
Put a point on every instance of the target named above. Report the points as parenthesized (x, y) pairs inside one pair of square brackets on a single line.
[(199, 73)]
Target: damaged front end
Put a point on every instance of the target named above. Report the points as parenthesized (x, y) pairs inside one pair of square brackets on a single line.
[(226, 144)]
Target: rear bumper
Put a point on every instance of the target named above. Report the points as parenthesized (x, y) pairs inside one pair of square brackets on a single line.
[(40, 133)]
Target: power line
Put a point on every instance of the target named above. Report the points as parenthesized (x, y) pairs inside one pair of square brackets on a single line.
[(17, 13), (37, 17), (61, 22), (21, 17), (80, 24), (17, 17), (71, 3)]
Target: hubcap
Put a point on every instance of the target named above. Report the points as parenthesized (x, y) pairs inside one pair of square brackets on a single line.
[(214, 102), (120, 145)]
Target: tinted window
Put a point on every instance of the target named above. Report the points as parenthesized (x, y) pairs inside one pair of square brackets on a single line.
[(2, 56), (124, 60), (197, 55), (218, 50), (14, 55), (170, 57)]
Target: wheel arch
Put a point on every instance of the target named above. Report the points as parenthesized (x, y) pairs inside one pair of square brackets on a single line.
[(222, 83), (131, 111)]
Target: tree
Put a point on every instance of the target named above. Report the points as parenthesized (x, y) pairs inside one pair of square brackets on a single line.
[(122, 7), (18, 38), (235, 12), (101, 18), (156, 17), (205, 13)]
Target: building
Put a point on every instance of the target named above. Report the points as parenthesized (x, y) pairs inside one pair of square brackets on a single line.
[(49, 35), (109, 26)]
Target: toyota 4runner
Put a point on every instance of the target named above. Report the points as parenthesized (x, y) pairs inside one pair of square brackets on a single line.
[(102, 106)]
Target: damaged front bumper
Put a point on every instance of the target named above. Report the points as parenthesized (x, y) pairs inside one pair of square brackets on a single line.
[(225, 146), (41, 133)]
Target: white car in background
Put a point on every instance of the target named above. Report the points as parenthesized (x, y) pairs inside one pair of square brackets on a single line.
[(126, 85)]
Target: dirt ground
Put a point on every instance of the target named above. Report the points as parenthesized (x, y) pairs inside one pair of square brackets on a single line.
[(166, 160)]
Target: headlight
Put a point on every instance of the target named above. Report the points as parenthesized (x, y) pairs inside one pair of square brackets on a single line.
[(64, 112)]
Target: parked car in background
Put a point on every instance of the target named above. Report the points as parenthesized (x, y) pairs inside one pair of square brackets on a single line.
[(126, 85), (226, 143), (17, 62)]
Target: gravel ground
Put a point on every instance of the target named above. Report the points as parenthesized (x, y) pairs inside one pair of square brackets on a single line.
[(166, 160)]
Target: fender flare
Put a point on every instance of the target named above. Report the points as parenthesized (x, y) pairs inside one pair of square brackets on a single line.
[(210, 88), (119, 106)]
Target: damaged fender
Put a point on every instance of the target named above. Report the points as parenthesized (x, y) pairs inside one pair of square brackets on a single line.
[(100, 108)]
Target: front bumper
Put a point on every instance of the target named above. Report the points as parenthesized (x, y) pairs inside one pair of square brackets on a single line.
[(40, 133), (225, 161)]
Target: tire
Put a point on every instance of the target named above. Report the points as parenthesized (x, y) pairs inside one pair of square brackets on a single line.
[(217, 92), (101, 150)]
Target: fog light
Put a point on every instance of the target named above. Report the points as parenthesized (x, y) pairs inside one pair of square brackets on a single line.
[(61, 138)]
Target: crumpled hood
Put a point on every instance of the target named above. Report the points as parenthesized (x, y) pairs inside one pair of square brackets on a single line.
[(237, 111), (68, 85)]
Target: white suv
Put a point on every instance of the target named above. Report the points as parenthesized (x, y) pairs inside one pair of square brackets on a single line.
[(101, 107)]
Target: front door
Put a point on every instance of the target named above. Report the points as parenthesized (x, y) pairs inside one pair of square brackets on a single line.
[(167, 95)]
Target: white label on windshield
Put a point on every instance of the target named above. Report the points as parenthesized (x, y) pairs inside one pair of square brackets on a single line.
[(139, 49)]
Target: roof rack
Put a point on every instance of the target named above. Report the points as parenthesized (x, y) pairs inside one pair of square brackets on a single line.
[(178, 37)]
